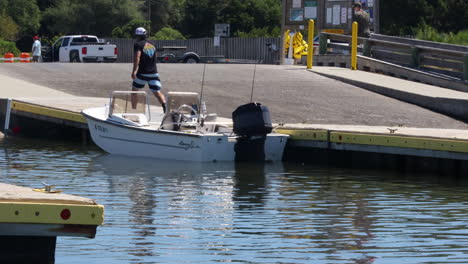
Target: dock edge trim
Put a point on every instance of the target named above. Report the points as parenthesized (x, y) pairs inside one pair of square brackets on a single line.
[(47, 111), (400, 141), (46, 213)]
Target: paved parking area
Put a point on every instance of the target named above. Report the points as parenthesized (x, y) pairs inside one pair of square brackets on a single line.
[(293, 94)]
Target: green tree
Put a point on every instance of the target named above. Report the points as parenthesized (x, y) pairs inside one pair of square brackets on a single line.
[(127, 30), (9, 29), (25, 14), (405, 17), (44, 4), (200, 17), (259, 18), (252, 17), (163, 13), (90, 16)]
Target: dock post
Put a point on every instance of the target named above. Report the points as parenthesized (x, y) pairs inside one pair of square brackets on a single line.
[(7, 117), (310, 40), (5, 111), (354, 47)]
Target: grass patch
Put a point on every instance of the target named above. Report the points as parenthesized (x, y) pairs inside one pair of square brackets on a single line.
[(428, 33)]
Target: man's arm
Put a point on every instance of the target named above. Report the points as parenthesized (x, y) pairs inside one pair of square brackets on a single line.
[(136, 61)]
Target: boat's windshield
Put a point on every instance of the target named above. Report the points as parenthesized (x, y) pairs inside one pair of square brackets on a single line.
[(128, 102)]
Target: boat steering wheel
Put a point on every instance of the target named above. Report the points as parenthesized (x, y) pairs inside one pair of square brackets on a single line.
[(185, 106)]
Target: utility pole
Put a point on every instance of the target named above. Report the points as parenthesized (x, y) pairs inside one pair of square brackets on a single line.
[(149, 17), (283, 19)]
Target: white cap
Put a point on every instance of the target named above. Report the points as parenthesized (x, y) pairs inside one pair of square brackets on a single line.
[(140, 31)]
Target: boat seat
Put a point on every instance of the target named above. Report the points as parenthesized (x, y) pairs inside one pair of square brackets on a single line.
[(177, 99), (129, 119)]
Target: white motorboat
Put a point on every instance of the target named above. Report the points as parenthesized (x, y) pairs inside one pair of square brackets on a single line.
[(127, 127)]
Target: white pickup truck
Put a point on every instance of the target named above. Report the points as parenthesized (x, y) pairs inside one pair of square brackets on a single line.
[(83, 48)]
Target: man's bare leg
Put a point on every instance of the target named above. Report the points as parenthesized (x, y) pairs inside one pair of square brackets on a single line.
[(134, 99), (162, 100)]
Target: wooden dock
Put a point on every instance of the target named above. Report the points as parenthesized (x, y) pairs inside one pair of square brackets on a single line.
[(32, 219)]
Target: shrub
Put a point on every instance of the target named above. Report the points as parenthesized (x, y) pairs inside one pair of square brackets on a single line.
[(127, 30), (8, 46), (426, 32), (168, 34), (260, 32)]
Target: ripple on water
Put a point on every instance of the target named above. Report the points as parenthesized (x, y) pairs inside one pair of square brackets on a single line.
[(181, 212)]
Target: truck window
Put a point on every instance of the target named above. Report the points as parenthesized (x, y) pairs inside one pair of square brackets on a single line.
[(85, 39), (65, 42), (58, 43)]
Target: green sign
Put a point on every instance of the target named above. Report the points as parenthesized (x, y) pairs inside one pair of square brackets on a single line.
[(311, 3), (310, 9)]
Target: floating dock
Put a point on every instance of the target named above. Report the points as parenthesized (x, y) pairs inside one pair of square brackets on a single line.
[(423, 142), (23, 117), (47, 117), (32, 219)]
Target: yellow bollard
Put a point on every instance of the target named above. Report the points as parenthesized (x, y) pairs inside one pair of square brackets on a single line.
[(310, 40), (354, 47), (287, 39)]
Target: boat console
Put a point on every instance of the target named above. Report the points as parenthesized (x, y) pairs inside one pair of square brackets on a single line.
[(183, 114)]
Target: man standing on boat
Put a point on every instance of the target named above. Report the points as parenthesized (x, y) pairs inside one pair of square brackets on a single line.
[(144, 67)]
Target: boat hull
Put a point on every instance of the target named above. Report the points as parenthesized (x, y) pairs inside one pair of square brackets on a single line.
[(142, 142)]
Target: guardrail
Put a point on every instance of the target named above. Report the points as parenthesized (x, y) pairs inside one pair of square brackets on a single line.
[(417, 54)]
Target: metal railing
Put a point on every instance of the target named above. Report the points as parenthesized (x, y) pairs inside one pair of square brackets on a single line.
[(444, 59)]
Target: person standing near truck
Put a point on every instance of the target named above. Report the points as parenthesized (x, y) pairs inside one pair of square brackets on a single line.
[(144, 67), (36, 49)]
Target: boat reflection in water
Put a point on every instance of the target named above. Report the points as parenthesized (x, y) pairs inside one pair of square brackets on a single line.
[(171, 200)]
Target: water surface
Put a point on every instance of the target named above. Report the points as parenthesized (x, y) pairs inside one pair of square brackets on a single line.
[(182, 212)]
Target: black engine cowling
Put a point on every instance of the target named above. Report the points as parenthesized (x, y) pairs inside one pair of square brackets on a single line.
[(252, 119)]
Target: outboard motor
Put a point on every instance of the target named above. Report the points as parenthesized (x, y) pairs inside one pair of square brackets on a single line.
[(252, 119), (252, 123)]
